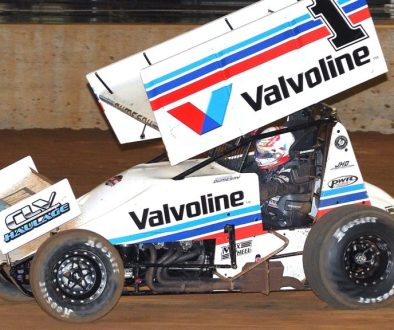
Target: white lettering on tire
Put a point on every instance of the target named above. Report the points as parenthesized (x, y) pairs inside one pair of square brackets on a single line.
[(378, 299), (62, 311), (106, 252), (340, 232)]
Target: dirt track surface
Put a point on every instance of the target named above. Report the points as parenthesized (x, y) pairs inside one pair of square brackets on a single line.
[(281, 310), (89, 157)]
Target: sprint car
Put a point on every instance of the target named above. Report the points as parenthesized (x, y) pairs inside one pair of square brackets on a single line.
[(201, 227), (192, 219)]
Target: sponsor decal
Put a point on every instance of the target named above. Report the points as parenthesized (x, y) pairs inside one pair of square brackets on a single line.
[(341, 142), (341, 165), (114, 180), (242, 249), (213, 118), (98, 245), (205, 205), (342, 181), (226, 178), (326, 69), (133, 114), (32, 216), (340, 232), (61, 310), (378, 299)]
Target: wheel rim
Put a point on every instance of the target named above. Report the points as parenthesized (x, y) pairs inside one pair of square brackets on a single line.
[(79, 277), (368, 260)]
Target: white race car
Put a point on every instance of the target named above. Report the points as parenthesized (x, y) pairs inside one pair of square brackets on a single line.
[(182, 223), (200, 226)]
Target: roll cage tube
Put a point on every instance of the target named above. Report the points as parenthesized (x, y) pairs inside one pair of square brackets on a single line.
[(249, 139)]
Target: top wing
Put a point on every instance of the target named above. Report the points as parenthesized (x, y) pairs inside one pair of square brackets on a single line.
[(250, 73)]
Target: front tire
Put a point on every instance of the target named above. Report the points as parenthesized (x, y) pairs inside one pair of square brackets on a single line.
[(77, 276), (348, 257)]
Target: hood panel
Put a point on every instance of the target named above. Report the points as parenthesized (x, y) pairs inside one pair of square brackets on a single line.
[(132, 182)]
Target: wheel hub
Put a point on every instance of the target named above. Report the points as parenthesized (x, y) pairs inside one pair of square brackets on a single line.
[(79, 276), (368, 260), (360, 258)]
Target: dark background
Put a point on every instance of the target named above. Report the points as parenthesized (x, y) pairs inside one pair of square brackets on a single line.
[(137, 11)]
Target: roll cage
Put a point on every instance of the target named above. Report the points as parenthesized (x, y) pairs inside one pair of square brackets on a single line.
[(312, 123)]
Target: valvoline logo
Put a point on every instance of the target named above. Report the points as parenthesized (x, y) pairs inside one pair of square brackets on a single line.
[(203, 122)]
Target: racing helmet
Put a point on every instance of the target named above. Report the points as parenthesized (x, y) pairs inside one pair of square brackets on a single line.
[(273, 151)]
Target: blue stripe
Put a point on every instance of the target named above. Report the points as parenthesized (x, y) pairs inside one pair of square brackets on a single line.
[(221, 63), (354, 6), (343, 190), (341, 2), (184, 79), (204, 230), (227, 51), (179, 71), (185, 225), (348, 8), (343, 199)]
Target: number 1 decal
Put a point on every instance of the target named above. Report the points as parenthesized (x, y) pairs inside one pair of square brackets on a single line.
[(344, 33)]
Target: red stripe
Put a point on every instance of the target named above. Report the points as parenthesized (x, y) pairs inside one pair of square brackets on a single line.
[(273, 53), (240, 233), (190, 115), (320, 213), (238, 68), (360, 16)]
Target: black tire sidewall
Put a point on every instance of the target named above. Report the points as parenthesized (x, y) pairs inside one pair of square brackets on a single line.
[(54, 250), (331, 261)]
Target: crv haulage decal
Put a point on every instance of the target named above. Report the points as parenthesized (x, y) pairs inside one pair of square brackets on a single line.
[(33, 215)]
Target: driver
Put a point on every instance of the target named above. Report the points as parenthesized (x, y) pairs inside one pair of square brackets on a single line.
[(278, 173)]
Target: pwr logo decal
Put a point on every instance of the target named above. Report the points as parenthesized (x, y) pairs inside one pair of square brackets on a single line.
[(213, 118)]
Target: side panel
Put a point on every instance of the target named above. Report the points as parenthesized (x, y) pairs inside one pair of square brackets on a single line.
[(343, 183), (261, 72), (37, 215), (193, 208), (198, 209)]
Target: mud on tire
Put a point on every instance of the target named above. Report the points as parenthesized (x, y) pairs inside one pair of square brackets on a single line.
[(348, 257), (77, 276)]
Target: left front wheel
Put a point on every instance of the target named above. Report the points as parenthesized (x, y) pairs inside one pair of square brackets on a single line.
[(77, 276)]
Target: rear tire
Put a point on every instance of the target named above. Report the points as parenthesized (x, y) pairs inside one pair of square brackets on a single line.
[(77, 276), (348, 257)]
